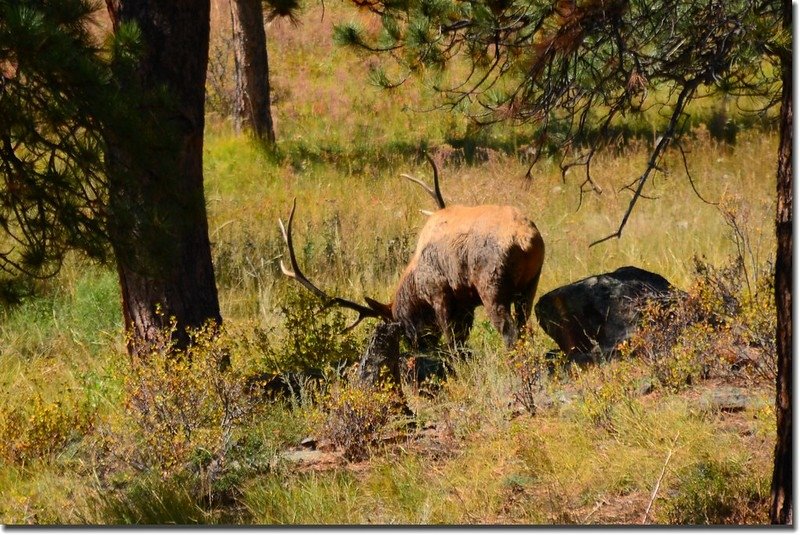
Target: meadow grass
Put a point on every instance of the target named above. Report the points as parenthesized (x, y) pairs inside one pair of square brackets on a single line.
[(552, 468), (355, 232), (593, 456), (558, 466)]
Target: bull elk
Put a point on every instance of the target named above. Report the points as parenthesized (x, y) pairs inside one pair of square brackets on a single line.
[(465, 256)]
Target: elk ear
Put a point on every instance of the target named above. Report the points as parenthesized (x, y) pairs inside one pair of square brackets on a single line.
[(385, 311)]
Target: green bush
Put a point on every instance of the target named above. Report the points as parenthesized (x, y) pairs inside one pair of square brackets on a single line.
[(712, 492), (314, 337)]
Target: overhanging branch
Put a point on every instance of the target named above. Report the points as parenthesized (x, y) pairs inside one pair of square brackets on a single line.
[(683, 98)]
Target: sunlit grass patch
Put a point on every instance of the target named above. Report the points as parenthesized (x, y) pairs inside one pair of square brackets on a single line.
[(305, 499)]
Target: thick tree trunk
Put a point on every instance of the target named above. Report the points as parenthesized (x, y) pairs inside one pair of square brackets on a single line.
[(251, 75), (782, 495), (159, 225)]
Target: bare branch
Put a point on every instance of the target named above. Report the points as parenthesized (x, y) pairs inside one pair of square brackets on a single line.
[(680, 105), (689, 176)]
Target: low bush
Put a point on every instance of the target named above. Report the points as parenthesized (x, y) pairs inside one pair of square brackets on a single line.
[(314, 337), (711, 492), (533, 369), (35, 427), (356, 413), (720, 327), (185, 410)]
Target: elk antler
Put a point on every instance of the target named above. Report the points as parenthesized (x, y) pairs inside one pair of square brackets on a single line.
[(434, 192), (296, 274)]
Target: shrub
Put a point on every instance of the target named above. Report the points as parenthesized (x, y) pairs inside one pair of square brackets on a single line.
[(355, 414), (314, 339), (714, 492), (532, 367), (185, 406), (717, 328), (37, 427)]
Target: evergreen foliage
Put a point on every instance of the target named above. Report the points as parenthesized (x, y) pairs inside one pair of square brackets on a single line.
[(55, 94), (65, 97), (575, 68)]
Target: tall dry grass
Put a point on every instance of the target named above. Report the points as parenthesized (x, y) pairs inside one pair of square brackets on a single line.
[(356, 230), (341, 147)]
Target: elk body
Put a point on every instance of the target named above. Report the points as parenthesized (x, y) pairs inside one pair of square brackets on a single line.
[(466, 256)]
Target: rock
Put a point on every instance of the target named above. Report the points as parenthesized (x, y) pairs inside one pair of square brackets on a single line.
[(728, 399), (311, 458), (309, 443), (645, 386), (302, 456), (595, 314)]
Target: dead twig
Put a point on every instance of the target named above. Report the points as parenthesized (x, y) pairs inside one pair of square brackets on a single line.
[(597, 507), (660, 478)]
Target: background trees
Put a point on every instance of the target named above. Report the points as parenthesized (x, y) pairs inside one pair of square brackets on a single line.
[(251, 70), (574, 68), (251, 98)]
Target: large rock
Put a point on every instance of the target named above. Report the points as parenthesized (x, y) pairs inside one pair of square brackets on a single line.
[(598, 312)]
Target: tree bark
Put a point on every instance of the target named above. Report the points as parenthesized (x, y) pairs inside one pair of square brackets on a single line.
[(251, 75), (157, 203), (782, 493)]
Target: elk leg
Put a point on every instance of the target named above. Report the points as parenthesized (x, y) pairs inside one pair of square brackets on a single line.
[(455, 319), (523, 304), (463, 317), (442, 309), (500, 316)]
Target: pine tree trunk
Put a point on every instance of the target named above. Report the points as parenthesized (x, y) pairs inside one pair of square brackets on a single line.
[(252, 101), (159, 225), (781, 509)]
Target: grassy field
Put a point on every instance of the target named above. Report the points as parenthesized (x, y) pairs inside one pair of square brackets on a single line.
[(89, 437)]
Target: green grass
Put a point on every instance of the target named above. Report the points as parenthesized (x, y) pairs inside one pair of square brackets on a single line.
[(356, 231), (593, 457), (538, 470)]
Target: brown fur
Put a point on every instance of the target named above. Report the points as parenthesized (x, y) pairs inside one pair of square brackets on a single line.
[(465, 257)]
